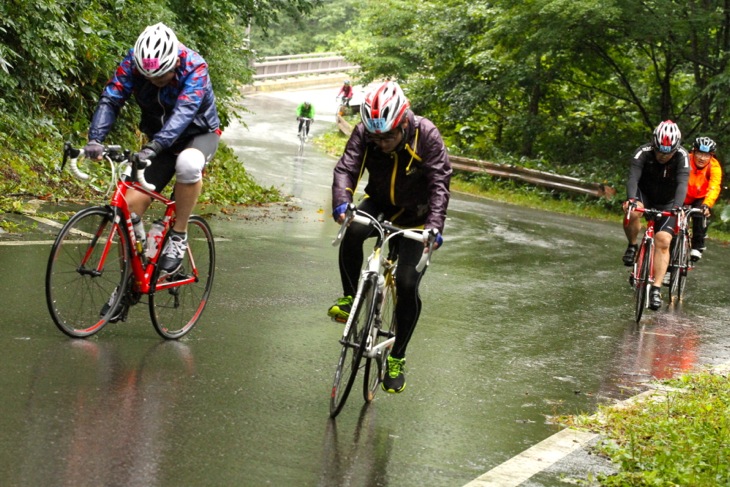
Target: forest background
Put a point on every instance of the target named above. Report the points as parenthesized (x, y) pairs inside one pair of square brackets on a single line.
[(569, 86)]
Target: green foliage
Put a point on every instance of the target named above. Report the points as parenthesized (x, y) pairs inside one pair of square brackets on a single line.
[(575, 82), (56, 56), (680, 438), (227, 183), (298, 33)]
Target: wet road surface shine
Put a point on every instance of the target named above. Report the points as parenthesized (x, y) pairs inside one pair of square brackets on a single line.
[(526, 315)]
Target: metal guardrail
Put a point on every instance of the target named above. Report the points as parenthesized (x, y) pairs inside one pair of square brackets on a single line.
[(532, 176), (540, 178), (301, 65)]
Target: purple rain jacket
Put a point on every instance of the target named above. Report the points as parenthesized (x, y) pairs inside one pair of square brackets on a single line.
[(410, 185)]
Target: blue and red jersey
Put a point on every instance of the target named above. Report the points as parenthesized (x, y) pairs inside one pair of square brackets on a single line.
[(183, 108)]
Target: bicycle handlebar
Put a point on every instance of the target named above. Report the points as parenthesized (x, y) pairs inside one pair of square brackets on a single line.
[(653, 213), (113, 153), (387, 231)]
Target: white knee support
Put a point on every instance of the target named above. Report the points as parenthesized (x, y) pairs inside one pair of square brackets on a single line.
[(189, 166)]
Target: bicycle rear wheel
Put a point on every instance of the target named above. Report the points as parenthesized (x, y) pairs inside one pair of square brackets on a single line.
[(642, 279), (88, 264), (179, 299), (353, 344), (375, 366)]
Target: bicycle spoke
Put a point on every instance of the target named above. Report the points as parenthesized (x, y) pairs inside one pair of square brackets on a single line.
[(180, 298), (375, 366), (89, 261), (361, 317)]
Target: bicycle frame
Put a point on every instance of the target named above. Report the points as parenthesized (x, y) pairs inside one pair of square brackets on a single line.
[(680, 262), (378, 265), (305, 126), (142, 268), (377, 261)]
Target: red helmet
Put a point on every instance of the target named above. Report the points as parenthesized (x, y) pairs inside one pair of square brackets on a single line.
[(384, 108)]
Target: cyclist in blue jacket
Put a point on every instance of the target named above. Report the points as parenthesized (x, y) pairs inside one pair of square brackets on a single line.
[(170, 83)]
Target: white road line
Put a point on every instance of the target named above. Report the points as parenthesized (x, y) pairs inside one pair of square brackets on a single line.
[(52, 223), (535, 459), (20, 243), (551, 450)]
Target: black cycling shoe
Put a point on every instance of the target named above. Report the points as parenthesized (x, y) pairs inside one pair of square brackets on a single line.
[(655, 298), (630, 255)]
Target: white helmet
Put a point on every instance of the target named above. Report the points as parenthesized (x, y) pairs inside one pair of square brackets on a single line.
[(667, 137), (384, 108), (155, 52)]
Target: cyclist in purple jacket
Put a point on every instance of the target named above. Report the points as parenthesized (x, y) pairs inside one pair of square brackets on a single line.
[(408, 182), (170, 84)]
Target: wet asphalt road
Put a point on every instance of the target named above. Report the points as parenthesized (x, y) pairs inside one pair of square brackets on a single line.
[(527, 314)]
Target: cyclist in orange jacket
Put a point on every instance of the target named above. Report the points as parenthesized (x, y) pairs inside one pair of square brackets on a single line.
[(705, 179)]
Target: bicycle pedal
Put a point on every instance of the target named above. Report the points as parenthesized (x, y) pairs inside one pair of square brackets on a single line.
[(339, 319)]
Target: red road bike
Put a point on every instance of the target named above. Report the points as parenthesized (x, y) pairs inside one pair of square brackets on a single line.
[(98, 267), (642, 275)]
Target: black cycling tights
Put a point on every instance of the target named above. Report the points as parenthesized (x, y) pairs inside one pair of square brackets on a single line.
[(408, 307)]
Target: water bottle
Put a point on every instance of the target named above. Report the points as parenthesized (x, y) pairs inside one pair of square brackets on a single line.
[(154, 238), (139, 233)]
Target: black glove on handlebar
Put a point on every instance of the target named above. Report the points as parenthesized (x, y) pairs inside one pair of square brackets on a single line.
[(149, 151), (93, 150), (145, 154)]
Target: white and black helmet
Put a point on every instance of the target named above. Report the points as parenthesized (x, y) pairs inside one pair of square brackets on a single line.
[(705, 144), (155, 52), (667, 137)]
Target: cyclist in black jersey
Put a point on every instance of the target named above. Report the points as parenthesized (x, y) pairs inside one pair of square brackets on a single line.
[(657, 179)]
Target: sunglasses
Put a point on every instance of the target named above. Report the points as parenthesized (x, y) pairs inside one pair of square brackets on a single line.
[(664, 150), (386, 137)]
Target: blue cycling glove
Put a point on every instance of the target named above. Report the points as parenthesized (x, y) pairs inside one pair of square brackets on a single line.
[(339, 210)]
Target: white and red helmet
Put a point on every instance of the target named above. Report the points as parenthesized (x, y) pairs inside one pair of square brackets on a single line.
[(384, 108), (155, 52), (667, 137)]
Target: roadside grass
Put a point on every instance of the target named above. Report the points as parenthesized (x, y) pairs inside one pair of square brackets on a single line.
[(679, 436)]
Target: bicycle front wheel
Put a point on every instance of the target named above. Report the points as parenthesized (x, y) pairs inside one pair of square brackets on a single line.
[(642, 278), (684, 270), (178, 299), (353, 344), (676, 262), (88, 266), (375, 366)]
